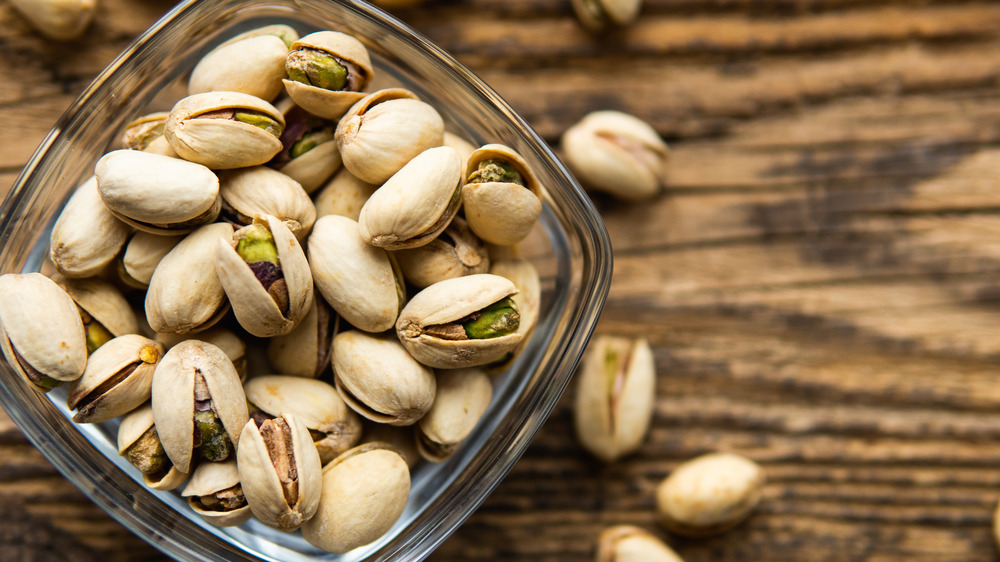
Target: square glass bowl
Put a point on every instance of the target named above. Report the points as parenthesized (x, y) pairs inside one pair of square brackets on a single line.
[(570, 248)]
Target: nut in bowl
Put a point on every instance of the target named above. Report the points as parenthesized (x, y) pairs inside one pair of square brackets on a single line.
[(568, 246)]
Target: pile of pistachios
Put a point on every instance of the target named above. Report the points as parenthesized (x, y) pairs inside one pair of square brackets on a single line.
[(279, 205)]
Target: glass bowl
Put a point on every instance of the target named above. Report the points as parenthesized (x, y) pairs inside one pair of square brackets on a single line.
[(569, 247)]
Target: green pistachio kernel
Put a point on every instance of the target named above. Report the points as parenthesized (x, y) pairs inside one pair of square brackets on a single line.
[(97, 335), (310, 141), (258, 119), (316, 68), (495, 170), (214, 444), (257, 245), (498, 319)]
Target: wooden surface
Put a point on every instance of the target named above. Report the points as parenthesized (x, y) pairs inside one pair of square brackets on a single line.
[(819, 284)]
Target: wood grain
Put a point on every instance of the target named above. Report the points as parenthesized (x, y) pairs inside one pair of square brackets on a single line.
[(819, 283)]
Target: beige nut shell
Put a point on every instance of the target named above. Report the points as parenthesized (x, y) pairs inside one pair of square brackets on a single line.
[(596, 15), (330, 104), (212, 477), (343, 195), (61, 20), (501, 213), (251, 65), (461, 399), (525, 277), (87, 236), (458, 253), (143, 253), (625, 543), (365, 490), (121, 354), (305, 351), (259, 190), (133, 425), (103, 302)]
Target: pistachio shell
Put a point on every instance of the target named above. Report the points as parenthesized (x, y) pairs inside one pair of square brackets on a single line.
[(315, 403), (343, 195), (155, 193), (314, 167), (463, 147), (257, 191), (133, 425), (305, 351), (400, 438), (143, 253), (185, 294), (524, 276), (416, 203), (447, 302), (230, 344), (625, 543), (331, 104), (262, 475), (385, 130), (222, 143), (210, 478), (357, 279), (364, 492), (103, 302), (174, 398), (615, 394), (709, 494), (255, 309), (597, 15), (462, 397), (455, 252), (378, 379), (141, 132), (117, 379), (86, 236), (41, 328), (617, 153), (501, 213), (60, 20), (251, 65)]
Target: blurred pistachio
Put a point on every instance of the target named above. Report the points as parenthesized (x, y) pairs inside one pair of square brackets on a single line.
[(61, 20)]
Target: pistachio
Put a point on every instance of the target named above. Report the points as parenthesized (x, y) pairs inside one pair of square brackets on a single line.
[(231, 344), (280, 471), (139, 443), (309, 154), (43, 338), (87, 235), (103, 309), (378, 379), (257, 191), (117, 379), (306, 350), (185, 294), (157, 194), (416, 204), (224, 130), (215, 492), (143, 253), (266, 276), (502, 196), (461, 322), (625, 543), (198, 404), (385, 130), (333, 426), (357, 279), (597, 15), (364, 492), (140, 133), (252, 63), (615, 396), (400, 438), (617, 153), (709, 494), (343, 195), (60, 20), (455, 252), (463, 147), (461, 399), (326, 72), (524, 276)]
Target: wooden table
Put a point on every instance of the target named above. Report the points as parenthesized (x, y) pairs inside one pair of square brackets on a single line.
[(820, 283)]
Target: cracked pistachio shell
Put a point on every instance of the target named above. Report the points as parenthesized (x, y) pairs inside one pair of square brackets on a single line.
[(117, 379), (454, 253), (709, 494), (524, 276), (378, 379), (60, 20), (255, 309), (210, 478), (343, 195), (315, 404), (140, 134), (143, 253), (401, 438), (252, 63), (597, 15), (615, 393), (222, 143), (462, 397), (313, 168), (257, 191), (331, 104), (501, 213), (305, 351), (616, 153), (133, 425), (174, 397), (365, 490), (87, 236), (449, 301), (185, 294), (230, 344), (103, 302), (155, 193), (625, 543), (385, 130), (284, 490), (43, 338), (416, 203), (357, 279)]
